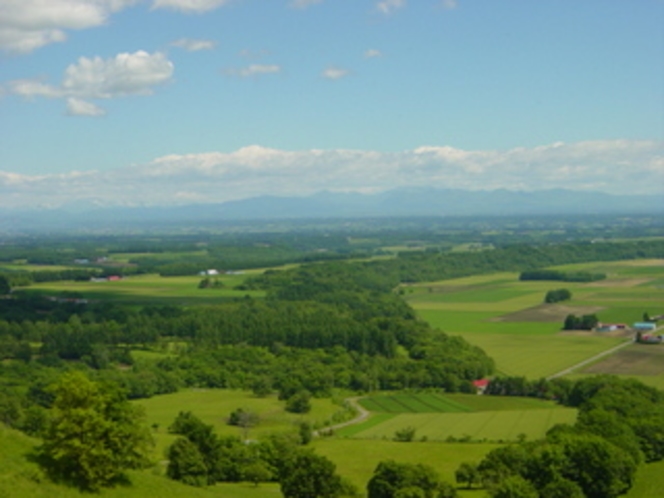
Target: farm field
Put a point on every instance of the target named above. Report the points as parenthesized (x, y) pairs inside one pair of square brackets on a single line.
[(357, 460), (437, 417), (506, 317), (649, 481), (142, 289), (213, 406), (427, 402)]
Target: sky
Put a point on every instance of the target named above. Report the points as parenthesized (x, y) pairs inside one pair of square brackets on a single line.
[(161, 102)]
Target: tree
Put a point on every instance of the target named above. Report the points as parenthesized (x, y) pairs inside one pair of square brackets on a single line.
[(94, 433), (467, 473), (257, 472), (186, 464), (405, 435), (299, 402), (307, 475), (395, 479), (514, 487), (562, 488), (4, 286)]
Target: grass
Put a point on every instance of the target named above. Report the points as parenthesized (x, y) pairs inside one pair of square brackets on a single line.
[(150, 289), (493, 426), (506, 318), (22, 478), (213, 406), (649, 481), (357, 460)]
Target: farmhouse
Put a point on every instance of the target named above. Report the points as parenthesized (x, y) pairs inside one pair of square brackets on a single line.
[(209, 272), (481, 385)]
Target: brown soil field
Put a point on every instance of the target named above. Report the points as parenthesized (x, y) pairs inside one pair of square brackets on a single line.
[(547, 313), (638, 359)]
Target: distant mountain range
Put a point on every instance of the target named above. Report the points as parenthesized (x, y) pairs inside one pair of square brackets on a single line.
[(402, 202)]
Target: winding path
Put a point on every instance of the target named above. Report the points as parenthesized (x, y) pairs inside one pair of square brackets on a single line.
[(361, 417)]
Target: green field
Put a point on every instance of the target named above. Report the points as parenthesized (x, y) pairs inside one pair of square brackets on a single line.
[(22, 478), (356, 460), (506, 317), (146, 289), (437, 417), (213, 406), (492, 426)]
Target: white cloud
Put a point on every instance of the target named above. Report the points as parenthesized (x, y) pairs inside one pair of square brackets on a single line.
[(449, 4), (78, 107), (335, 73), (189, 6), (372, 53), (253, 70), (193, 45), (303, 4), (26, 25), (96, 78), (617, 166), (389, 6)]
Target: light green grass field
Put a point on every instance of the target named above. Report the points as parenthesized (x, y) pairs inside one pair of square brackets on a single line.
[(506, 318), (427, 402), (357, 460), (151, 289), (213, 406), (22, 478), (495, 426), (649, 482)]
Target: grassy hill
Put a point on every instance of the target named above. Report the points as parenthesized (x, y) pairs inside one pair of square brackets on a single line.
[(22, 478)]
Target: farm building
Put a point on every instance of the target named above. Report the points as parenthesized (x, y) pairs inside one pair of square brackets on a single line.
[(209, 272), (644, 326), (610, 327), (481, 385)]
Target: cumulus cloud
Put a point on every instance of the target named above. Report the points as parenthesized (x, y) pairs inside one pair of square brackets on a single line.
[(96, 78), (372, 53), (618, 166), (193, 45), (335, 73), (26, 25), (253, 70), (189, 6), (389, 6)]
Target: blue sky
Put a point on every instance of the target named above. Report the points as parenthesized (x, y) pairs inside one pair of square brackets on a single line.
[(177, 101)]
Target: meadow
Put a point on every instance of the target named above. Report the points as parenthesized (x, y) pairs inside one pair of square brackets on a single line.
[(507, 317), (214, 406), (442, 417), (152, 289)]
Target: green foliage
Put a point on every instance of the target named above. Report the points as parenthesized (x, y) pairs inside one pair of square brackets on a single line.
[(556, 275), (585, 322), (405, 435), (514, 487), (186, 464), (468, 474), (394, 479), (299, 402), (558, 295), (93, 435), (306, 474), (4, 285)]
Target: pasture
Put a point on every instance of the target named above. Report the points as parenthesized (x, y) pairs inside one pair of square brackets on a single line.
[(507, 318), (213, 406), (357, 460), (151, 289), (441, 417)]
